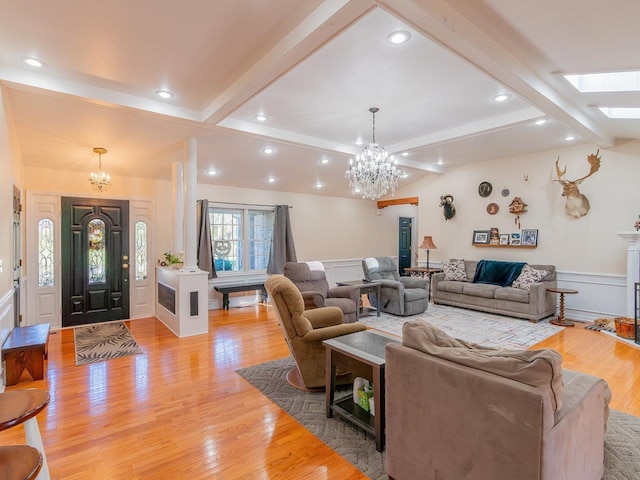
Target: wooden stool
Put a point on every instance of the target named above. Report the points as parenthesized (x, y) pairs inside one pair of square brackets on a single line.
[(22, 406), (19, 462), (26, 348)]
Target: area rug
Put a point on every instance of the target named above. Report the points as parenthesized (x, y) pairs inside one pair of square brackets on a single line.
[(622, 440), (472, 326), (103, 341)]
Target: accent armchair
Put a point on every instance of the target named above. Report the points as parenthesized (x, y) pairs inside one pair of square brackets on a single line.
[(465, 412), (398, 295), (304, 331), (311, 280)]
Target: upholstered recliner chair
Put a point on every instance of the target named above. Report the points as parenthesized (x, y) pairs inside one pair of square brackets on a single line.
[(398, 295), (459, 411), (304, 331), (311, 280)]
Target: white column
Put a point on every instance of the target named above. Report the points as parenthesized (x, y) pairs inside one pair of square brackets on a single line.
[(190, 227), (633, 267), (177, 208)]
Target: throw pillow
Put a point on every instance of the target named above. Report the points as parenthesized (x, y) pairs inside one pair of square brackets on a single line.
[(528, 277), (454, 270)]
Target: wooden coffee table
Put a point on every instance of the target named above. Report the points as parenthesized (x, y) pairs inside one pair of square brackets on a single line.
[(369, 348), (561, 321)]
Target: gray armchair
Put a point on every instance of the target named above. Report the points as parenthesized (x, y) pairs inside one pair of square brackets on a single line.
[(311, 280), (398, 295)]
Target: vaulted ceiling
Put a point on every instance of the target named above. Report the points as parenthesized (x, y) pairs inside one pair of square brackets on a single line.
[(313, 68)]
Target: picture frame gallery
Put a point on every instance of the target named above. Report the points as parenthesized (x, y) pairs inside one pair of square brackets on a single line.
[(526, 237)]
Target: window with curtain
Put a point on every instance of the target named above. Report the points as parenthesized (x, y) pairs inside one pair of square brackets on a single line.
[(241, 238)]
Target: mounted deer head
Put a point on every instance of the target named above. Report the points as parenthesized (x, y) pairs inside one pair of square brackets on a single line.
[(577, 204)]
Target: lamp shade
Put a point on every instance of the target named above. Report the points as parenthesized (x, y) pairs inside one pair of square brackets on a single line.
[(427, 243)]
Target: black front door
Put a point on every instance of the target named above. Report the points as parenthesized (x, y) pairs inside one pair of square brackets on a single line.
[(95, 260), (404, 244)]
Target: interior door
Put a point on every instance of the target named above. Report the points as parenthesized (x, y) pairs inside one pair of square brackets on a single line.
[(404, 244), (95, 260)]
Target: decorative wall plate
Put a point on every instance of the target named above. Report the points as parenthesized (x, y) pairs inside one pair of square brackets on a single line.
[(492, 208), (505, 192), (485, 189)]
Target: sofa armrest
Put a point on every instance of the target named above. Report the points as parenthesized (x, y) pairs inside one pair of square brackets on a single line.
[(324, 317), (312, 300), (333, 331), (540, 300), (345, 292)]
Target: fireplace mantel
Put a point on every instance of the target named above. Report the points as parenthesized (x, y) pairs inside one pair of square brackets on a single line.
[(633, 266)]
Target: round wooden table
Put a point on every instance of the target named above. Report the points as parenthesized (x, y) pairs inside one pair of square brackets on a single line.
[(561, 321)]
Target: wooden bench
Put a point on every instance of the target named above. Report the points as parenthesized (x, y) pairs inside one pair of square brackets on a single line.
[(26, 348), (225, 290)]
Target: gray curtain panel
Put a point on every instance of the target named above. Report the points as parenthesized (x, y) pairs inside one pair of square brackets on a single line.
[(205, 247), (282, 248)]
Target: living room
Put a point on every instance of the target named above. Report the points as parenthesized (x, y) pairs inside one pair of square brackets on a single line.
[(43, 154)]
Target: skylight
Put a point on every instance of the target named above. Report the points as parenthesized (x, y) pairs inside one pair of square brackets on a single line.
[(606, 82), (621, 112)]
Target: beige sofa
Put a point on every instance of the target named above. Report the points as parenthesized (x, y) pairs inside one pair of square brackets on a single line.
[(455, 412), (533, 304)]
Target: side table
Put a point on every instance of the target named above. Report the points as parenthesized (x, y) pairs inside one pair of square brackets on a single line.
[(561, 321), (363, 287)]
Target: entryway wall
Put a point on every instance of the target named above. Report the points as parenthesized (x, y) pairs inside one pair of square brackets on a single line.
[(43, 303)]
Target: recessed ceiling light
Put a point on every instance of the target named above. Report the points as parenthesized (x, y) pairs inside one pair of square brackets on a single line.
[(268, 150), (405, 175), (398, 37), (212, 172), (261, 118), (440, 161), (271, 180), (324, 161), (319, 185), (405, 154), (541, 121), (568, 138), (502, 97), (359, 141), (357, 190), (164, 94), (33, 62)]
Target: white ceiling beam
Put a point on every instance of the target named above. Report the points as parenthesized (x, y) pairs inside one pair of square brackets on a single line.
[(477, 34), (329, 19), (23, 79)]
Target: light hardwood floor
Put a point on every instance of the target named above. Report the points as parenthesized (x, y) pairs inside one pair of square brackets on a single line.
[(179, 411)]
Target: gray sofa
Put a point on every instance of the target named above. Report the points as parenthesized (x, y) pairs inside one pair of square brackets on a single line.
[(463, 412), (533, 304)]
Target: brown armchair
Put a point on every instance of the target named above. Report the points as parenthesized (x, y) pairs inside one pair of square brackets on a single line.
[(311, 280), (304, 331)]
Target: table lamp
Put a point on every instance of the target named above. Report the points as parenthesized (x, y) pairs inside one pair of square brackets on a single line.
[(427, 244)]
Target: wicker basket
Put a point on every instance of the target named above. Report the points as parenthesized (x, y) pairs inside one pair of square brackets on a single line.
[(625, 327)]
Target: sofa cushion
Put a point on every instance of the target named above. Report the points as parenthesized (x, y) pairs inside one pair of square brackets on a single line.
[(538, 368), (528, 277), (451, 287), (454, 270), (497, 273), (413, 294), (512, 294), (483, 290)]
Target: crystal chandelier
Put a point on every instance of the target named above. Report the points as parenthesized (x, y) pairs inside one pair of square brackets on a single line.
[(100, 181), (375, 171)]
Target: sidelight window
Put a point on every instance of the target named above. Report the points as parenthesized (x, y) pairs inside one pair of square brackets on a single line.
[(97, 256), (141, 250), (45, 253)]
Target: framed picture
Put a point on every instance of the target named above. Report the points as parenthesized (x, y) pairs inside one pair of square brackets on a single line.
[(529, 237), (494, 236), (481, 236), (515, 239), (504, 239)]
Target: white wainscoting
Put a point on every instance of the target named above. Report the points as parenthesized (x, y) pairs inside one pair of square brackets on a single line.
[(6, 325)]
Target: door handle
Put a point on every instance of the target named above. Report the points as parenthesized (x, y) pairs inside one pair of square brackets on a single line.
[(125, 265)]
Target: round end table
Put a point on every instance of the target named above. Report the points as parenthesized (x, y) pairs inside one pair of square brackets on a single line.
[(561, 321)]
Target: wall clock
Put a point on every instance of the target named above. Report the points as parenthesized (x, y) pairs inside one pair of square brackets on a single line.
[(485, 189)]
